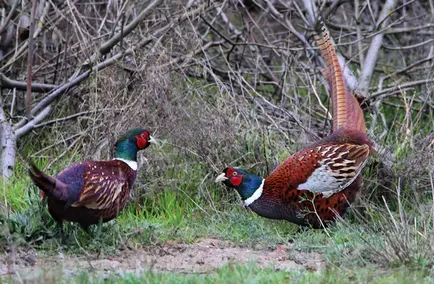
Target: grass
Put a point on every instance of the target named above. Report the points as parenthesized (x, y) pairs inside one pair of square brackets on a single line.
[(176, 201), (233, 273), (172, 208), (386, 238), (248, 273), (171, 216), (355, 249)]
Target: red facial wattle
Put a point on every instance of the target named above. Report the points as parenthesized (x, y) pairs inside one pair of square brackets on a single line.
[(234, 177), (236, 180), (142, 140), (141, 143)]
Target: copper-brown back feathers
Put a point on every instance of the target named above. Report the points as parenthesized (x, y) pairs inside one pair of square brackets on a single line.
[(346, 109)]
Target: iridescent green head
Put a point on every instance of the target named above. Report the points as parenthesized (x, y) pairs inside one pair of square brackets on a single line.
[(131, 142)]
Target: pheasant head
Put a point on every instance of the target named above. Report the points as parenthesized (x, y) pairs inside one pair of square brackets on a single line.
[(128, 145), (249, 186)]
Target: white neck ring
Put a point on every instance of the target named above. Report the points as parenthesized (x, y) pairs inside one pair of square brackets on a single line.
[(255, 194), (131, 164)]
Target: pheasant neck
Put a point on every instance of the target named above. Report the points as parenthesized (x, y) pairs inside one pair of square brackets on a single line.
[(250, 188), (131, 164), (126, 151), (256, 194)]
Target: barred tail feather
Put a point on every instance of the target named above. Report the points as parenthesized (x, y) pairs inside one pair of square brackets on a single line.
[(346, 109)]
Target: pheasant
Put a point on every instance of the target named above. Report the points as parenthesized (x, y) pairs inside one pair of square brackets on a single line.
[(319, 182), (90, 191)]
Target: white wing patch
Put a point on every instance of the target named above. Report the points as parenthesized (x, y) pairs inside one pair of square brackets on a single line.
[(327, 181), (321, 180)]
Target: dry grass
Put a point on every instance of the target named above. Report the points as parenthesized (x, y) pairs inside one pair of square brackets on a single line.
[(240, 91), (229, 88)]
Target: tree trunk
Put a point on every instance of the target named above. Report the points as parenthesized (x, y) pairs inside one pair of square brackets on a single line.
[(8, 144)]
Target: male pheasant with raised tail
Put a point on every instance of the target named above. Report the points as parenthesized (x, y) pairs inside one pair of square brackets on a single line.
[(320, 181), (90, 191)]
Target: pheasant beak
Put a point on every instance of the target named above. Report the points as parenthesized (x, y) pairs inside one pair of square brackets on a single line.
[(221, 177), (152, 140)]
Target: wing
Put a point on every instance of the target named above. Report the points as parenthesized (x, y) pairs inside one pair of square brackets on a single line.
[(325, 169), (103, 184), (73, 177), (337, 167)]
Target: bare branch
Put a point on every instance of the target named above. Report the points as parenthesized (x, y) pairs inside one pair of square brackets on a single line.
[(409, 67), (359, 31), (23, 48), (30, 60), (107, 46), (309, 5), (52, 96), (13, 84), (400, 87), (376, 43), (7, 146), (408, 46), (29, 126), (9, 16), (75, 81), (72, 116)]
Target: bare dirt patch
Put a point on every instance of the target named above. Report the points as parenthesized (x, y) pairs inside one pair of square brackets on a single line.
[(203, 256)]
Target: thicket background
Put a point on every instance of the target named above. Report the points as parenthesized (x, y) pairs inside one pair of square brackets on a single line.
[(219, 83)]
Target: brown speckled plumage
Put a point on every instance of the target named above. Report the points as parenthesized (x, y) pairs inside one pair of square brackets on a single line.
[(90, 191), (284, 196), (322, 180)]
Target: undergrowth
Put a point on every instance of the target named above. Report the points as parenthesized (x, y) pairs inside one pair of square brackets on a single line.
[(175, 199), (247, 273), (211, 106)]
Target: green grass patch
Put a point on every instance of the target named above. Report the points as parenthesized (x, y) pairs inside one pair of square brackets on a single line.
[(235, 273)]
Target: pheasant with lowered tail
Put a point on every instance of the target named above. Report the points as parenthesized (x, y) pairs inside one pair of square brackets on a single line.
[(90, 191)]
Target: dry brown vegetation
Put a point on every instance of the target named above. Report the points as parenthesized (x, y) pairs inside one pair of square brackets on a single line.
[(223, 83), (206, 75)]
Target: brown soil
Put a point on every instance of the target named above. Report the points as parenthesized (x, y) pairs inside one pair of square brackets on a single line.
[(204, 256)]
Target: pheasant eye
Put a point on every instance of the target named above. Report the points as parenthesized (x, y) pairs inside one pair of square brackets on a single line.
[(142, 135), (234, 174)]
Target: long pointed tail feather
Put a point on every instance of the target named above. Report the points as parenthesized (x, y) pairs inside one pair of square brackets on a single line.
[(40, 179), (47, 184), (346, 109)]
